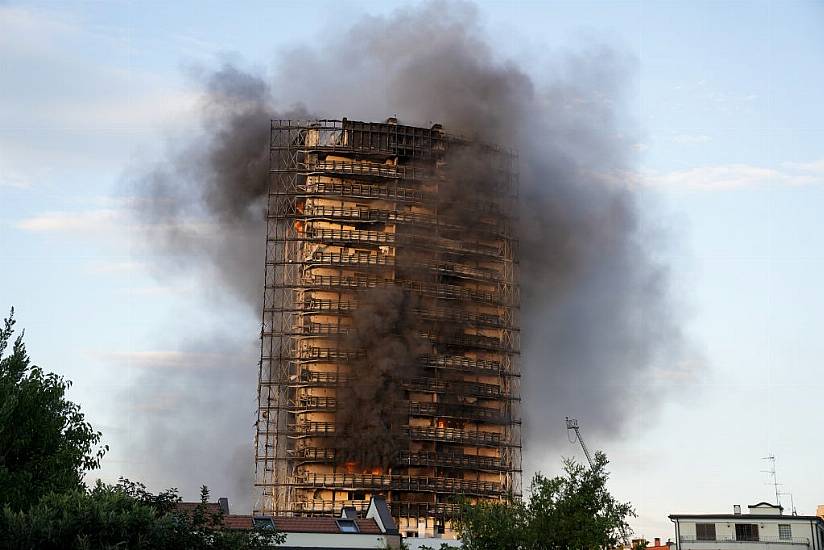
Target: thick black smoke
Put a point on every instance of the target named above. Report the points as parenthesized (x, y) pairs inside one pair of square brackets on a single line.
[(370, 420), (596, 320), (205, 203)]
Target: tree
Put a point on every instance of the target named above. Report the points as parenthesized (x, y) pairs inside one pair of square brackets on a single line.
[(119, 516), (46, 444), (574, 510)]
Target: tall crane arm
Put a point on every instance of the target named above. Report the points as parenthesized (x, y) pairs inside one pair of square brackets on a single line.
[(572, 424)]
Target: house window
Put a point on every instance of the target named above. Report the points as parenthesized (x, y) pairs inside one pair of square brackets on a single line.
[(705, 531), (785, 532), (746, 531)]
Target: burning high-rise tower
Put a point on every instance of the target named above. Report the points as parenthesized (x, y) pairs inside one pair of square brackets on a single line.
[(390, 322)]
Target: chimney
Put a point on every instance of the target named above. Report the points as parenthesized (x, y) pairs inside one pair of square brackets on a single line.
[(223, 502), (736, 509), (657, 541)]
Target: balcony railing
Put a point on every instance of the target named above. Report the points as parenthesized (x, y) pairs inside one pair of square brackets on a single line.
[(406, 458), (398, 483), (495, 227), (403, 509), (363, 191), (355, 169), (763, 540), (446, 435)]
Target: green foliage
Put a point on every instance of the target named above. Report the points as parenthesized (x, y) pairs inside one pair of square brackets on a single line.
[(45, 442), (122, 516), (493, 525), (574, 510), (46, 446)]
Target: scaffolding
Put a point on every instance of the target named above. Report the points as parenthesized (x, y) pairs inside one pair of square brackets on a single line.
[(355, 206)]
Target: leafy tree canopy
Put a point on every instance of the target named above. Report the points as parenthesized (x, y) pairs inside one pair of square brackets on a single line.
[(122, 516), (45, 442), (46, 446), (573, 510)]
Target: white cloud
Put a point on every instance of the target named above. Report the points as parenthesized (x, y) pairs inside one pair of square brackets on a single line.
[(164, 359), (90, 221), (102, 110), (687, 371), (163, 291), (8, 179), (815, 167), (689, 139), (157, 404), (115, 266), (730, 176), (108, 221)]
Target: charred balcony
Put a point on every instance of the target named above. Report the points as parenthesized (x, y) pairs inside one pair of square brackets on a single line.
[(407, 458), (399, 483), (444, 435)]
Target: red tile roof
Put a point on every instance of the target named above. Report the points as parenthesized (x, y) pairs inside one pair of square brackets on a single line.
[(322, 525), (210, 511), (282, 523), (189, 507), (237, 522)]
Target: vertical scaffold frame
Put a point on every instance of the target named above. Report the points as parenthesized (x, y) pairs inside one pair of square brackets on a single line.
[(385, 164)]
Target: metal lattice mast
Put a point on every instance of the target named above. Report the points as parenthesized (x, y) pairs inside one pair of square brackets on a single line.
[(572, 424)]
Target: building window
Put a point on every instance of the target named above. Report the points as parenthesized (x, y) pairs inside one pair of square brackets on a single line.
[(705, 531), (785, 532), (746, 531)]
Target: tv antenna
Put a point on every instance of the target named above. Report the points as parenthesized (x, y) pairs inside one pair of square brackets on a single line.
[(771, 472), (792, 502)]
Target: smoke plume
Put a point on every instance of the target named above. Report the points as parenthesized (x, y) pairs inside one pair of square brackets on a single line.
[(596, 321), (370, 420)]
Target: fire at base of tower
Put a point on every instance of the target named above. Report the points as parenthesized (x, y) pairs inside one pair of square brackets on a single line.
[(390, 323)]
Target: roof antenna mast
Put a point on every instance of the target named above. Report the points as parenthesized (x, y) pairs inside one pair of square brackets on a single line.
[(792, 502), (771, 472)]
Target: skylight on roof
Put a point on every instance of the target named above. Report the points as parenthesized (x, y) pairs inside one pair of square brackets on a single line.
[(264, 522), (347, 526)]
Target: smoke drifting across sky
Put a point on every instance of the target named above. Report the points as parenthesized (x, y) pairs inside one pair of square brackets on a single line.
[(596, 319)]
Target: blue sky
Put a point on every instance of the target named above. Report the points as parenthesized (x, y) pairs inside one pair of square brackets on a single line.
[(727, 97)]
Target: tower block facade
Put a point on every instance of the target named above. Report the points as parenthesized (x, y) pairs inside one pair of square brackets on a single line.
[(414, 227)]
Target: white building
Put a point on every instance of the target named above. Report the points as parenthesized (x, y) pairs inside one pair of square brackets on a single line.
[(764, 527)]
